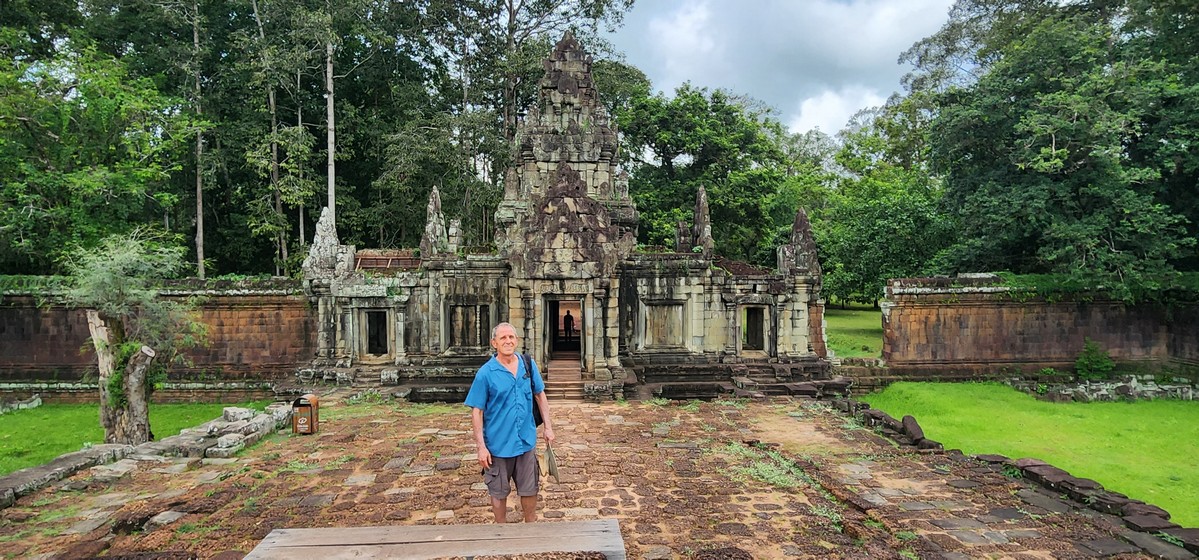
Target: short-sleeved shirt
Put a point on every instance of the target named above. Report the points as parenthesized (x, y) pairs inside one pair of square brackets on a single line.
[(507, 405)]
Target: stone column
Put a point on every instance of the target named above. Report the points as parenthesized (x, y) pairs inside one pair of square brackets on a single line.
[(528, 301), (733, 321), (400, 310)]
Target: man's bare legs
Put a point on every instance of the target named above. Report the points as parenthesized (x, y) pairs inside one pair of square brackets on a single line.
[(528, 506)]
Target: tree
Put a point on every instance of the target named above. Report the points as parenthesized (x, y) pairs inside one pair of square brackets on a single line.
[(85, 150), (884, 219), (1037, 163), (130, 323), (714, 140)]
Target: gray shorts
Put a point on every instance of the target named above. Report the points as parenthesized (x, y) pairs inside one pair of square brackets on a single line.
[(523, 469)]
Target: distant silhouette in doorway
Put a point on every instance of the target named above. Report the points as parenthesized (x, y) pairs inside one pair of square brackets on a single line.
[(568, 324)]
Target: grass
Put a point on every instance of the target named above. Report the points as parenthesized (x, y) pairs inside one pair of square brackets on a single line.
[(854, 332), (1146, 449), (35, 436)]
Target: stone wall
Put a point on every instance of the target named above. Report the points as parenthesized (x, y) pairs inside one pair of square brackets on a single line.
[(965, 327), (255, 336)]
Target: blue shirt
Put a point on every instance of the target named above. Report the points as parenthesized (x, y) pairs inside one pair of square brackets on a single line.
[(507, 405)]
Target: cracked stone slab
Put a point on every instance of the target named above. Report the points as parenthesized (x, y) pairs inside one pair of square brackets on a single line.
[(1108, 547), (957, 523), (916, 506), (970, 537), (86, 526), (1042, 501), (164, 518), (1157, 547), (360, 480)]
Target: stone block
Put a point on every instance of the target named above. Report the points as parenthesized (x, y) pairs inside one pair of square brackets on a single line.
[(1148, 523), (230, 440), (912, 428), (1134, 507), (223, 452), (237, 414)]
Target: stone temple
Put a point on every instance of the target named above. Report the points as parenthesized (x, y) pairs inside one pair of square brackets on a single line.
[(677, 324)]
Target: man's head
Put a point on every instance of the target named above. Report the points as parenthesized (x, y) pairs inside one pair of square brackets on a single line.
[(504, 339)]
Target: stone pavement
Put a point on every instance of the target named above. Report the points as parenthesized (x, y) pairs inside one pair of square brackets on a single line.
[(727, 479)]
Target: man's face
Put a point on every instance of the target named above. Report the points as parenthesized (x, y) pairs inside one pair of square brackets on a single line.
[(505, 341)]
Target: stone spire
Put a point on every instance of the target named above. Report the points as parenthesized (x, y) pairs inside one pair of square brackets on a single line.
[(567, 128), (435, 240), (327, 258), (799, 256)]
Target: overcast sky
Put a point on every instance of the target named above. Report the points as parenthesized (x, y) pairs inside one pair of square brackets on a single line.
[(817, 62)]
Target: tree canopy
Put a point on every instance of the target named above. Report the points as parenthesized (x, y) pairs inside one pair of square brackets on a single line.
[(1033, 136)]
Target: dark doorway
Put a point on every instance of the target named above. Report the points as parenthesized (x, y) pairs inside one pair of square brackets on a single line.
[(376, 333), (753, 329), (564, 320)]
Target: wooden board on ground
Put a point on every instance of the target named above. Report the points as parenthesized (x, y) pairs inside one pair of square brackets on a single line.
[(424, 542)]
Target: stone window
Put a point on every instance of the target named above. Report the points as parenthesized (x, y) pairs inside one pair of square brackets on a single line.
[(664, 325), (753, 328), (469, 325)]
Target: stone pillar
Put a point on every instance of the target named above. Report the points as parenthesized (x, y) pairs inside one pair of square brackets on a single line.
[(528, 301), (399, 309), (733, 321)]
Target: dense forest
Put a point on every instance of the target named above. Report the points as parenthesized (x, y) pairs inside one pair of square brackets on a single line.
[(1032, 136)]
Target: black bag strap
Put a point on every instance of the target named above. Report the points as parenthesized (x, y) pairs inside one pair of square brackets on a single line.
[(529, 369)]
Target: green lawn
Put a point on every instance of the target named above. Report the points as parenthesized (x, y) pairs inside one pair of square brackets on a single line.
[(35, 436), (856, 332), (1148, 450)]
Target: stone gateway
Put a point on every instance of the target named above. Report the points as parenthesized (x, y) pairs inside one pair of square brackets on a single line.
[(679, 323)]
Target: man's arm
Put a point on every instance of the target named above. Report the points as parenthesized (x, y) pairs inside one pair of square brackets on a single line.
[(544, 404), (476, 422)]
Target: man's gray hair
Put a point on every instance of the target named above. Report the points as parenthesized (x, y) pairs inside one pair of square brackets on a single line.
[(496, 329)]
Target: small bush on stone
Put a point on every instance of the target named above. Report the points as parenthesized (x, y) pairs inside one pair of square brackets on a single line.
[(1094, 362)]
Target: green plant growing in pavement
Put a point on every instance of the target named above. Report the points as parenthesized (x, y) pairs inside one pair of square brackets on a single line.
[(658, 401), (1012, 471), (691, 406), (906, 535), (907, 553), (828, 513), (1170, 538), (734, 403)]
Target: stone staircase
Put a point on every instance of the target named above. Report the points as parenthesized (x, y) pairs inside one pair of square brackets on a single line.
[(563, 378)]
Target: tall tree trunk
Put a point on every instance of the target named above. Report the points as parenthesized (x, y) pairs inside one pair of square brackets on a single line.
[(126, 421), (281, 237), (330, 146), (510, 77), (199, 145), (103, 341), (300, 123)]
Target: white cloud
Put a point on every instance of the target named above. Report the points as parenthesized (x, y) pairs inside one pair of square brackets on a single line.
[(816, 61), (830, 110), (682, 41)]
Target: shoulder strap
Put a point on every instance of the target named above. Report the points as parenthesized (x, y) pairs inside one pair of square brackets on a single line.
[(529, 369)]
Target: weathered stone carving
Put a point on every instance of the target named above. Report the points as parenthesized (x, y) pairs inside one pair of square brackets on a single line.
[(327, 258), (435, 241), (799, 256)]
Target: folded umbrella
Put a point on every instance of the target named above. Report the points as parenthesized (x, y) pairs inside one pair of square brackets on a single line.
[(551, 463)]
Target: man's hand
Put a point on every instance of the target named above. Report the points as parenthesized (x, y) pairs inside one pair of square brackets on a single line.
[(549, 435), (484, 457)]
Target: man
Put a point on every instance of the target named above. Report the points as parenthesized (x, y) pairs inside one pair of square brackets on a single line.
[(501, 400), (568, 323)]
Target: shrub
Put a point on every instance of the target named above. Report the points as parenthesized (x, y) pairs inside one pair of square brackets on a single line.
[(1094, 362)]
